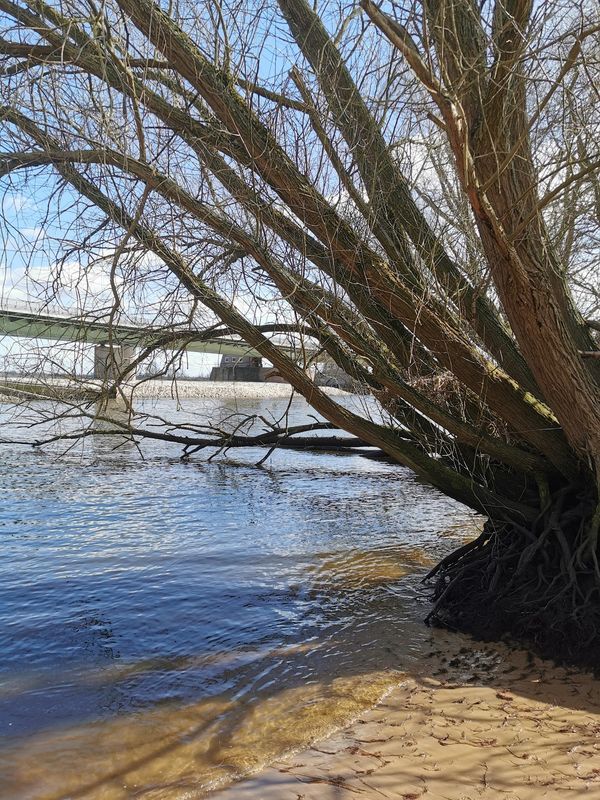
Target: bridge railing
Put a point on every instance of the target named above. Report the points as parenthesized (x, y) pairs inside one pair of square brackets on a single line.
[(42, 308)]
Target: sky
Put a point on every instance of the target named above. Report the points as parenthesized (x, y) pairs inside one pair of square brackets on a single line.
[(27, 269), (30, 236)]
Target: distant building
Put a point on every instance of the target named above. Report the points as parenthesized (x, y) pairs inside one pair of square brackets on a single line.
[(249, 368), (238, 368), (240, 361)]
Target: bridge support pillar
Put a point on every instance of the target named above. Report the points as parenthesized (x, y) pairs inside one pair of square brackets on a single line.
[(109, 362)]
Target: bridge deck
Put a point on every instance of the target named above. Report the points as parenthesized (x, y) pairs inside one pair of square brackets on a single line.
[(33, 325)]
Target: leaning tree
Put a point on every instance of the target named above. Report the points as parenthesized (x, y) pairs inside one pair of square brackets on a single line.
[(411, 188)]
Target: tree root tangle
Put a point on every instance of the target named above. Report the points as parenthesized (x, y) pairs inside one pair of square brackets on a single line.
[(538, 586)]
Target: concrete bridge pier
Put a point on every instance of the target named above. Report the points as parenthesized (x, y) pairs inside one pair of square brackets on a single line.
[(109, 361)]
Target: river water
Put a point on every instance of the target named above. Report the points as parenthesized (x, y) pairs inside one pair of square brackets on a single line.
[(168, 627)]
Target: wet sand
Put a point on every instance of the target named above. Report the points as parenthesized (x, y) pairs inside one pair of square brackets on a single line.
[(471, 722)]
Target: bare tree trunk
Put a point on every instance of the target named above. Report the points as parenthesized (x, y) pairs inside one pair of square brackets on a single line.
[(390, 200)]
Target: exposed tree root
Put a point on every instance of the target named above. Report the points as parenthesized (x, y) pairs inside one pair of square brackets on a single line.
[(538, 585)]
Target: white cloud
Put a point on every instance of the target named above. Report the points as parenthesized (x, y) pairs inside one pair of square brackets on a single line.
[(33, 234), (14, 202)]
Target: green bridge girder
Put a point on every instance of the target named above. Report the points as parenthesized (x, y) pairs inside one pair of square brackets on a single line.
[(77, 329)]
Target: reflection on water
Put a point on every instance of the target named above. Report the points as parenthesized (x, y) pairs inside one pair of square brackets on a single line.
[(111, 413), (165, 627)]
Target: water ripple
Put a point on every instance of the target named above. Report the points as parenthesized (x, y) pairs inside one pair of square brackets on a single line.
[(168, 623)]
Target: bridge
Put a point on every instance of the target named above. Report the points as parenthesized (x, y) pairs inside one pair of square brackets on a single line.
[(116, 341)]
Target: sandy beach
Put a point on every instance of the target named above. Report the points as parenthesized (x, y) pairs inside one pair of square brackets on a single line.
[(474, 722)]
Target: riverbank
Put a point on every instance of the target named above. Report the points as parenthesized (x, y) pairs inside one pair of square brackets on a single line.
[(219, 390), (471, 722), (192, 622), (61, 388)]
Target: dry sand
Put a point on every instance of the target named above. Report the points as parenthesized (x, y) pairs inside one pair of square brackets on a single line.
[(472, 723)]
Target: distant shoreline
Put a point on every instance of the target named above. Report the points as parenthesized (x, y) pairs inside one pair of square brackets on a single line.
[(219, 390), (17, 389)]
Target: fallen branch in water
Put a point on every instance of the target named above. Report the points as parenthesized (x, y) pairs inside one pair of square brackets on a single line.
[(288, 438)]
